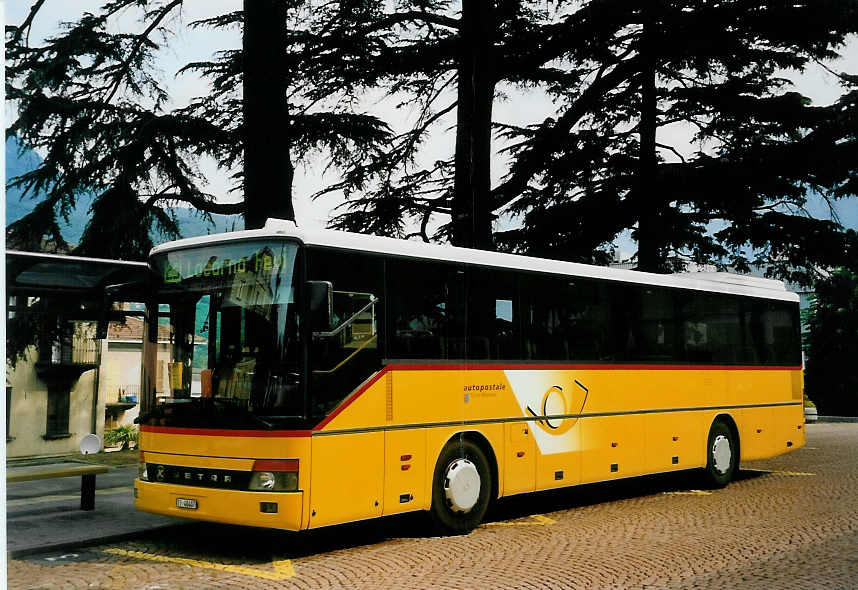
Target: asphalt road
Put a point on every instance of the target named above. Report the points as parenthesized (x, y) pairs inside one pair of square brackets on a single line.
[(789, 522)]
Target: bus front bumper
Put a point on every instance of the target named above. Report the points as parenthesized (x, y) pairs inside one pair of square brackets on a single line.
[(216, 505)]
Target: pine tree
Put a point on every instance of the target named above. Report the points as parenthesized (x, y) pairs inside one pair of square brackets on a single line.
[(603, 164), (92, 101), (831, 344), (426, 52)]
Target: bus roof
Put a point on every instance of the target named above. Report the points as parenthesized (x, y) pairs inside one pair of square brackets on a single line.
[(277, 228)]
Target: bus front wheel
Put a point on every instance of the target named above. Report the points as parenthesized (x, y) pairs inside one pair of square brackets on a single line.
[(721, 455), (461, 487)]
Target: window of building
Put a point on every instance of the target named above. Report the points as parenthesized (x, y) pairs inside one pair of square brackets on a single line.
[(58, 413), (8, 411)]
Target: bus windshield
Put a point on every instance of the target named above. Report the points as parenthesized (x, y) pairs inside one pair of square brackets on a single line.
[(227, 353)]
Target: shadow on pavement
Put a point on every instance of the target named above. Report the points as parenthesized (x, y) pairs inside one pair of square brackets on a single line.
[(247, 545)]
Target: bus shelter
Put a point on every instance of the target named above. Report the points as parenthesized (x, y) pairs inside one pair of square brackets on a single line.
[(57, 312)]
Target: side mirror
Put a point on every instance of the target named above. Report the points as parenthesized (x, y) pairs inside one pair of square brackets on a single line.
[(320, 296)]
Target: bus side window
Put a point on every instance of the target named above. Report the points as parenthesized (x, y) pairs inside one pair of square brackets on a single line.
[(493, 322), (426, 310), (722, 320), (624, 308), (343, 358), (656, 326), (566, 318), (695, 339)]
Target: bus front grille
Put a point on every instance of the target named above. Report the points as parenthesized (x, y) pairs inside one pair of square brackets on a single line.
[(195, 476)]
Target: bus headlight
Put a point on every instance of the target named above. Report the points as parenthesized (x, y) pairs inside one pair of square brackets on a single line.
[(262, 480), (274, 476)]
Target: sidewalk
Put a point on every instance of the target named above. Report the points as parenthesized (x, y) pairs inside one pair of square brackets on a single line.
[(45, 515)]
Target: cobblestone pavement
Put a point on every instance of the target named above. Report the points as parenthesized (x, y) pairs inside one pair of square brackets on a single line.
[(788, 522)]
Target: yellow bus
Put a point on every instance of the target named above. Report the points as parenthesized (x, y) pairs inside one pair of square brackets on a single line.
[(317, 377)]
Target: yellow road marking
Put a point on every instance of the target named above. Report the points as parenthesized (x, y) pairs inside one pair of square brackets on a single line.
[(690, 493), (790, 473), (282, 568), (540, 520), (59, 497)]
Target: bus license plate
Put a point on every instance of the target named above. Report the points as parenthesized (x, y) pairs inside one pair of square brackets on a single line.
[(188, 503)]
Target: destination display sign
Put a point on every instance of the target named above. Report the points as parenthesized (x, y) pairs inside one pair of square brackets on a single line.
[(226, 266)]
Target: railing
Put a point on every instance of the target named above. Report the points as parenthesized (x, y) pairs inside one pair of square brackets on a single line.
[(75, 352)]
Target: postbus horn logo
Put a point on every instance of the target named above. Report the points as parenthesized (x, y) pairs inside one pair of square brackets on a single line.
[(557, 409)]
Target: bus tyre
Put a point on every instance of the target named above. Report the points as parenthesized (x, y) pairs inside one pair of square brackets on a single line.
[(461, 488), (721, 456)]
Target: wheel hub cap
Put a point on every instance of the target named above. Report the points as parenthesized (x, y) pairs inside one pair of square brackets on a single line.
[(462, 485), (722, 454)]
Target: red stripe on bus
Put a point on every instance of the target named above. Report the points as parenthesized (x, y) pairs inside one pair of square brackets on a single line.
[(225, 432), (348, 401), (589, 367)]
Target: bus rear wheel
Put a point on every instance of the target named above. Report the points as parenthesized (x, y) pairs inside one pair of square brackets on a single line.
[(461, 488), (721, 456)]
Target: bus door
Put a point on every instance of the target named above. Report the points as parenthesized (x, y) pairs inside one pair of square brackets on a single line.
[(347, 481)]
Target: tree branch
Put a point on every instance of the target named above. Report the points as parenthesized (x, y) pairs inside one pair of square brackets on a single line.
[(543, 144), (28, 22), (126, 63), (198, 202)]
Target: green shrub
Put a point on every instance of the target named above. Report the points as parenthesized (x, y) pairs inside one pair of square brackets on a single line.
[(831, 345), (123, 435)]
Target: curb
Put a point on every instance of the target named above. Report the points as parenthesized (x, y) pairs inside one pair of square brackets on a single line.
[(67, 545), (837, 419)]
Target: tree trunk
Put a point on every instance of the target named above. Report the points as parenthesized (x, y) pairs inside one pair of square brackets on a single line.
[(650, 234), (471, 206), (268, 169)]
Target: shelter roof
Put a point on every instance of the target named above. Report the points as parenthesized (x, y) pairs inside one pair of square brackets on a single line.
[(54, 274)]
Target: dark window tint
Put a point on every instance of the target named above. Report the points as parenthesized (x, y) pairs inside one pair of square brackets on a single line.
[(342, 358), (583, 320), (654, 336), (426, 318), (774, 332), (565, 318), (694, 336), (493, 315), (724, 331)]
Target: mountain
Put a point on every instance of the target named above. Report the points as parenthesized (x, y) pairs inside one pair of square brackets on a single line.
[(20, 161)]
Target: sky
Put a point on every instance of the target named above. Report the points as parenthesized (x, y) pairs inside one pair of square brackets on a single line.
[(191, 45)]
